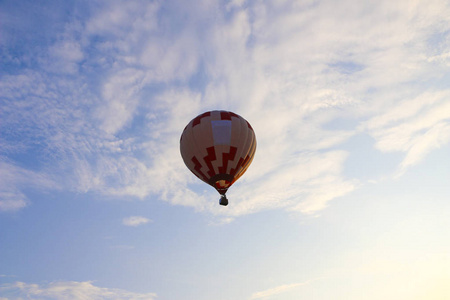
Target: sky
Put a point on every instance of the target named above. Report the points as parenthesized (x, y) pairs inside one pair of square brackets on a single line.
[(347, 196)]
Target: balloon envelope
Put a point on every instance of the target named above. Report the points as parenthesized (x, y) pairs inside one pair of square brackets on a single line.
[(218, 147)]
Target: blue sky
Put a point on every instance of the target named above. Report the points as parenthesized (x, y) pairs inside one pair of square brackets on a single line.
[(346, 198)]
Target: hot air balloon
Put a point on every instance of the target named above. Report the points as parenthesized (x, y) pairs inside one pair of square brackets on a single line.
[(218, 147)]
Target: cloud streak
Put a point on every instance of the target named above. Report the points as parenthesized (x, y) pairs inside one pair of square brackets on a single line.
[(68, 290), (135, 221), (12, 179), (278, 290), (415, 126)]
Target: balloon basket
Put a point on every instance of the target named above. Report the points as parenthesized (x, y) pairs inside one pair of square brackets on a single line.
[(223, 200)]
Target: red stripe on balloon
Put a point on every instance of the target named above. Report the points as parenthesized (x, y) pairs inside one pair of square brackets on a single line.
[(226, 115), (209, 159), (226, 157), (198, 119), (197, 168)]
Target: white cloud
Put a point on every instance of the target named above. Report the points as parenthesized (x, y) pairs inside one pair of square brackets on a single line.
[(304, 183), (65, 56), (168, 60), (119, 19), (135, 221), (415, 127), (12, 178), (66, 290), (278, 290), (433, 138), (12, 200), (120, 95)]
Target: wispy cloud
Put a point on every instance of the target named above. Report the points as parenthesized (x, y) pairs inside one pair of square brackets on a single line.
[(67, 290), (414, 126), (278, 290), (13, 178), (135, 221)]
